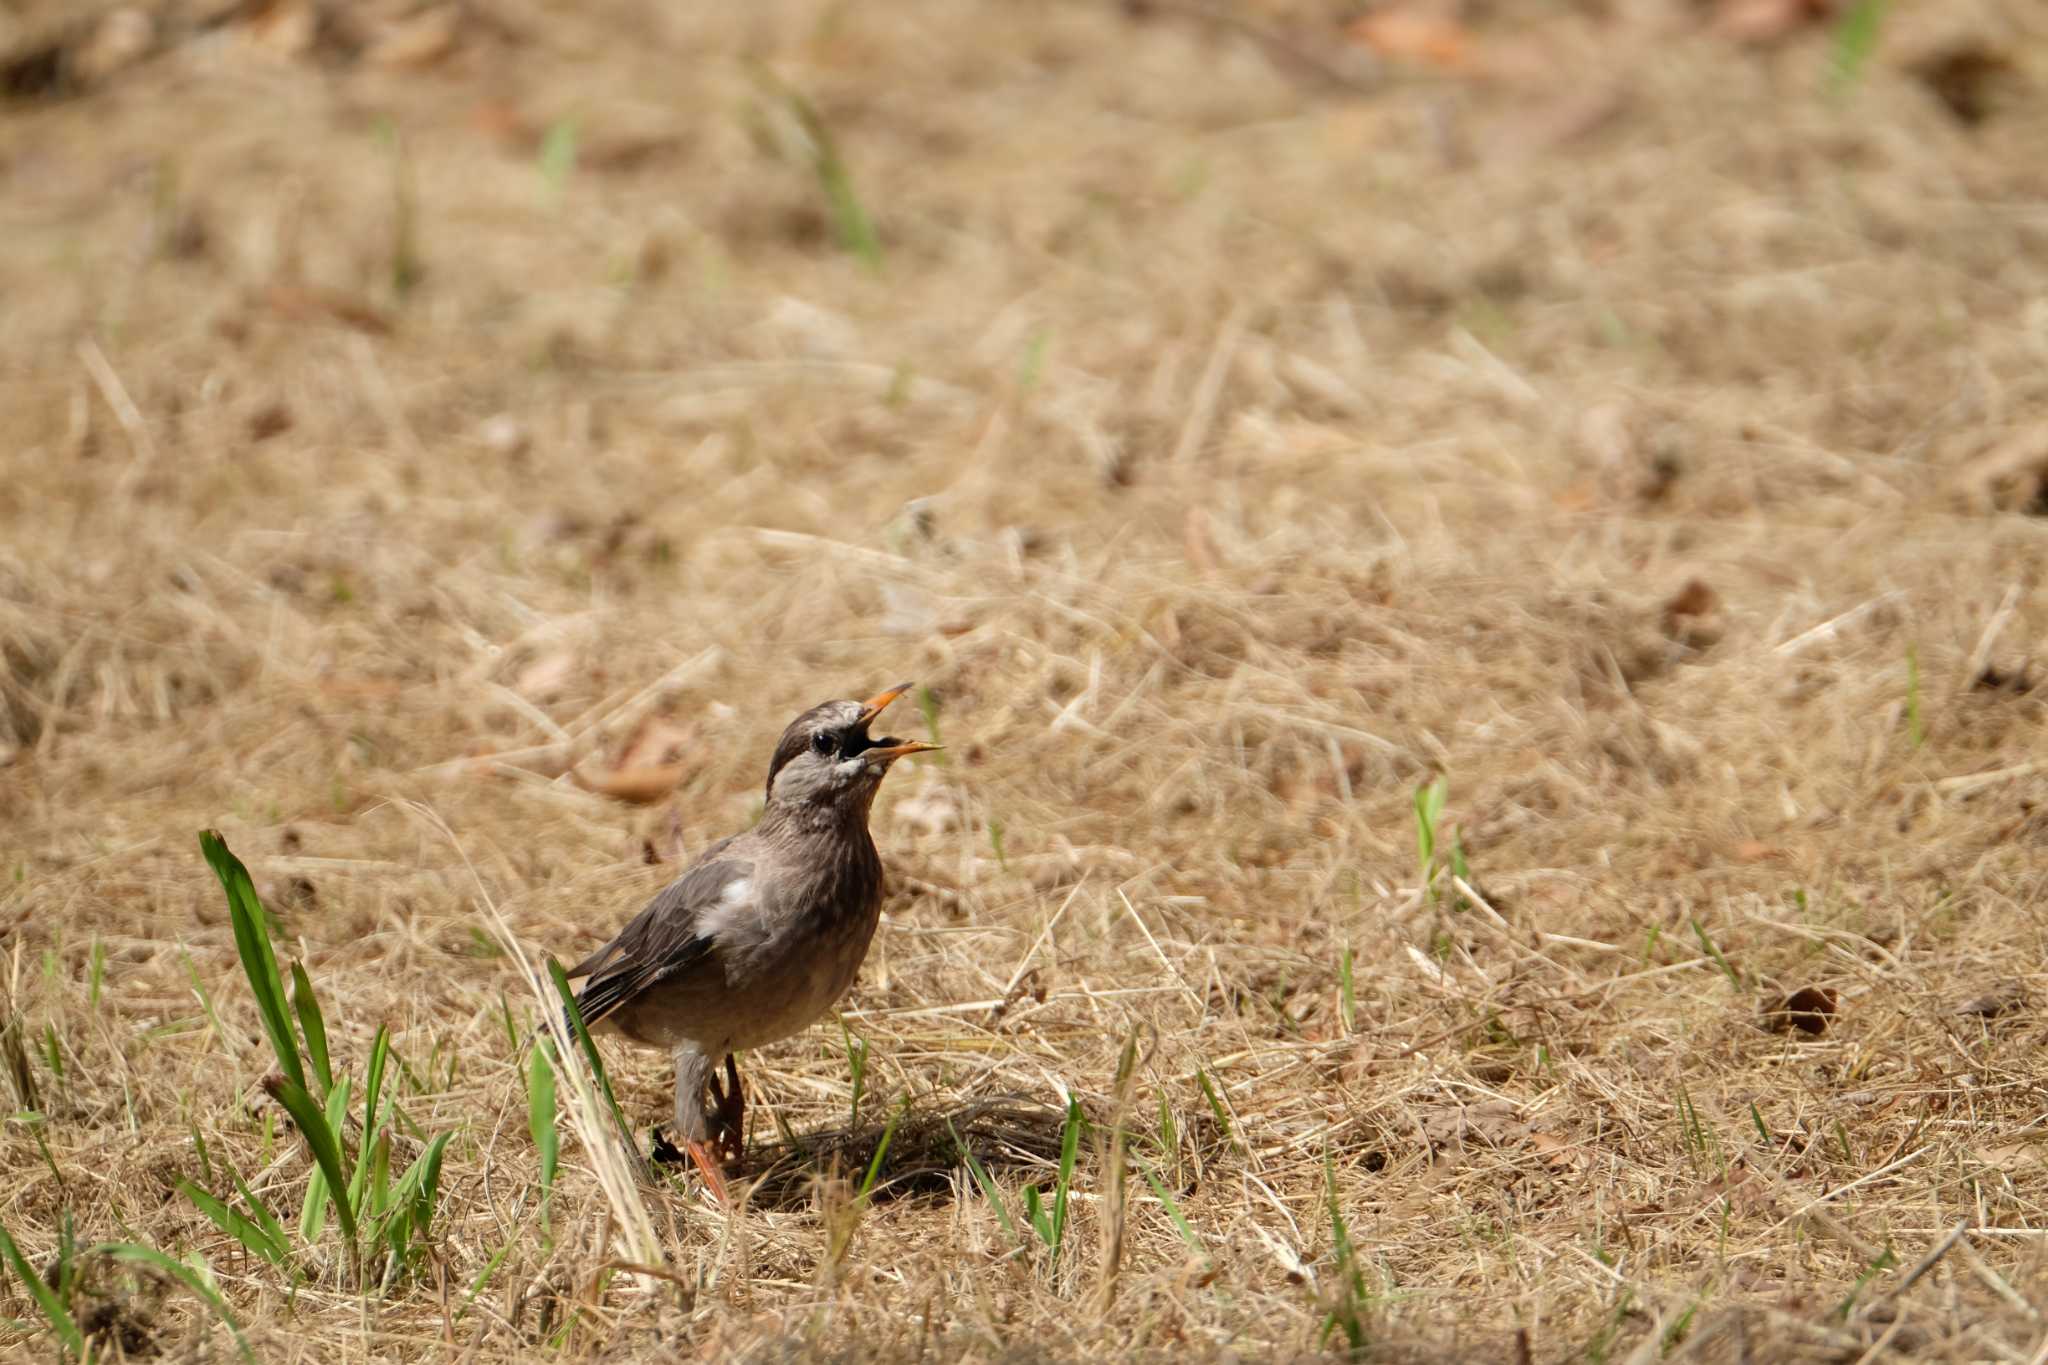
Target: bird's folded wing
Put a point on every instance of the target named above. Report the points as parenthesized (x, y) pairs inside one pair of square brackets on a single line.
[(676, 930)]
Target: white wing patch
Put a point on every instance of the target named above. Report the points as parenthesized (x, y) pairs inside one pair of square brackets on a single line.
[(735, 905)]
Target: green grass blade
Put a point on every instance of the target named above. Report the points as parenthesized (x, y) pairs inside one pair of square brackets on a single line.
[(259, 960), (1855, 39), (483, 1277), (850, 220), (260, 1210), (1034, 1213), (540, 1119), (857, 1066), (424, 1181), (582, 1032), (373, 1083), (253, 1237), (370, 1187), (986, 1182), (326, 1148), (511, 1029), (1180, 1223), (1347, 993), (313, 1026), (152, 1259), (61, 1326), (1708, 946), (882, 1148), (1216, 1108), (313, 1214), (1070, 1149)]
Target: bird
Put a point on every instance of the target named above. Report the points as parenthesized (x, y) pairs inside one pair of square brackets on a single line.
[(763, 931)]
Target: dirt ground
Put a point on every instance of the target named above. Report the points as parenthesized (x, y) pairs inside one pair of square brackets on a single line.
[(445, 446)]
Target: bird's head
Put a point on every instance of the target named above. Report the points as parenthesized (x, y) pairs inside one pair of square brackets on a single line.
[(826, 756)]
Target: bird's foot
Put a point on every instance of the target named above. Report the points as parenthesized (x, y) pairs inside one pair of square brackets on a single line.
[(729, 1114), (704, 1157)]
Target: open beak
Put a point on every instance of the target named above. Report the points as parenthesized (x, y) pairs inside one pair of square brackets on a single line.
[(875, 705), (889, 748), (891, 752)]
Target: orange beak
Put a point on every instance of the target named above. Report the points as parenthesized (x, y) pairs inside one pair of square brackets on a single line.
[(891, 750), (875, 705)]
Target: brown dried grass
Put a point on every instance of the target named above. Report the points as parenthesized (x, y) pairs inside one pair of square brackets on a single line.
[(1230, 454)]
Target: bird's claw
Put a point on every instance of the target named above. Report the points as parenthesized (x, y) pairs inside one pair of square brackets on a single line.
[(728, 1115)]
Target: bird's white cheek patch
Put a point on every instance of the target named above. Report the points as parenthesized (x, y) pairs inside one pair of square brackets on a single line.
[(849, 767)]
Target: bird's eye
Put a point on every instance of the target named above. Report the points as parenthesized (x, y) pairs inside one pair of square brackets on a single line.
[(821, 742)]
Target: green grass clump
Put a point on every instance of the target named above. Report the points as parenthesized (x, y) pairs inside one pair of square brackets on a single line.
[(383, 1221)]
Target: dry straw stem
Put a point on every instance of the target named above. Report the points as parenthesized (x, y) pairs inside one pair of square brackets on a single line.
[(609, 1150), (1231, 455)]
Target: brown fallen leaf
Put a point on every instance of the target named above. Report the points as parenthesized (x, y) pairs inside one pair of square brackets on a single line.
[(544, 678), (125, 36), (272, 419), (1971, 79), (1694, 599), (1767, 21), (1807, 1009), (419, 41), (283, 30), (2010, 1157), (657, 743), (2007, 996), (2019, 682), (641, 786), (1558, 1151), (302, 303), (1406, 34), (2011, 475)]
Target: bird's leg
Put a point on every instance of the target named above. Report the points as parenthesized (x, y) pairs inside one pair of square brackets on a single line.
[(693, 1073), (729, 1114)]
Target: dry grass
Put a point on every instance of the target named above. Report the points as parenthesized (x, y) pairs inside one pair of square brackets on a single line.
[(1230, 454)]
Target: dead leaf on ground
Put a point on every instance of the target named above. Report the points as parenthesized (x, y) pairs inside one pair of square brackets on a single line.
[(641, 786), (545, 677), (419, 40), (1689, 616), (2019, 681), (283, 30), (649, 765), (1969, 78), (1557, 122), (2007, 996), (1807, 1009), (121, 39), (1414, 34), (2011, 475), (1742, 1191), (1768, 21), (1497, 1123), (1694, 599), (2010, 1157), (302, 303)]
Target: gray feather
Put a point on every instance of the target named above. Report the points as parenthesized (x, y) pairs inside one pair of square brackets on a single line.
[(667, 937)]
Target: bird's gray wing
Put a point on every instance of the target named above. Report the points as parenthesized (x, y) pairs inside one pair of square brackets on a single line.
[(667, 937)]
